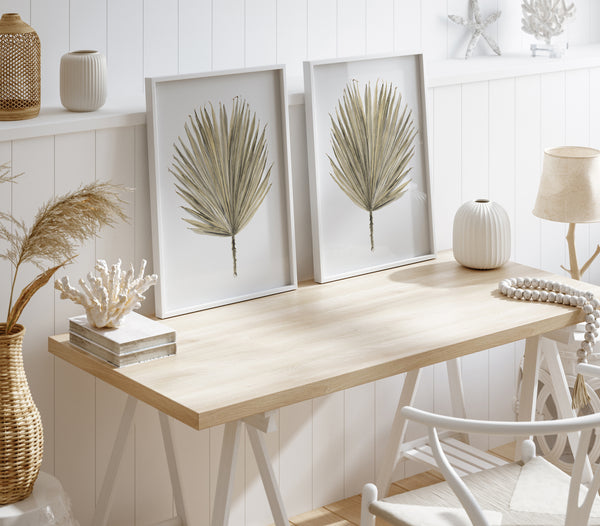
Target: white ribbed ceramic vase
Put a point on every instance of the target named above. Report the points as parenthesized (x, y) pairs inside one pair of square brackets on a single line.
[(481, 235), (83, 80)]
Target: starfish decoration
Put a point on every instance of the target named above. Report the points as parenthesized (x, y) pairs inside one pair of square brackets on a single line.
[(478, 26)]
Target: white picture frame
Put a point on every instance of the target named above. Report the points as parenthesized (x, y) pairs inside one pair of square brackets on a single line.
[(196, 269), (402, 231)]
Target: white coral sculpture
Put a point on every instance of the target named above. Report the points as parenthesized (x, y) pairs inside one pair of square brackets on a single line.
[(545, 19), (109, 297)]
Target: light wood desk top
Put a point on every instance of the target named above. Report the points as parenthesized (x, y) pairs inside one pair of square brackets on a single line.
[(250, 357)]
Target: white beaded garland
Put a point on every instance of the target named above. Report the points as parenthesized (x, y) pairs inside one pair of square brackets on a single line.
[(539, 289)]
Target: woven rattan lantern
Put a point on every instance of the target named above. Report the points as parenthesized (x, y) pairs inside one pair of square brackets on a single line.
[(19, 69)]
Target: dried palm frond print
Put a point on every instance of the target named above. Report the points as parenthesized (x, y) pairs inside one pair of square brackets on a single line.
[(372, 137), (221, 170)]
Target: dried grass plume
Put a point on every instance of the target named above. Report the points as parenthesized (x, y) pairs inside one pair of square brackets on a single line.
[(51, 241)]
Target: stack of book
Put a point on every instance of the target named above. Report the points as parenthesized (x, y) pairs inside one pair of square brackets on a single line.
[(138, 339)]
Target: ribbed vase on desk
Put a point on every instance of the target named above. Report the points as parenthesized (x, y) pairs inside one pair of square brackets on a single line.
[(83, 80), (21, 433), (481, 235)]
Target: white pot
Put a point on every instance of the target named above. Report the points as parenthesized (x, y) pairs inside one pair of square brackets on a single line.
[(83, 80), (481, 235)]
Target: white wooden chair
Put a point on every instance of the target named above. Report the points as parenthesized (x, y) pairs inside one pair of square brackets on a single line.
[(530, 492)]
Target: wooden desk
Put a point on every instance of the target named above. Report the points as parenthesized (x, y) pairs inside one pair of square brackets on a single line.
[(250, 358)]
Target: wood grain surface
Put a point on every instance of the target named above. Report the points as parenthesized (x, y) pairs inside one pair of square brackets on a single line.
[(241, 359)]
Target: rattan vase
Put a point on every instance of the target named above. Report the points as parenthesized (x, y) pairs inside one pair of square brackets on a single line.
[(21, 434), (20, 69)]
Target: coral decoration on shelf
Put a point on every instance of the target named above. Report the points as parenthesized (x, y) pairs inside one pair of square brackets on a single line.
[(109, 297)]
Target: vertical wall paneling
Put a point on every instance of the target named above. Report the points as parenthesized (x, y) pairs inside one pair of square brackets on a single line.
[(578, 28), (434, 29), (16, 6), (352, 37), (114, 148), (502, 148), (327, 455), (110, 403), (237, 514), (299, 166), (75, 415), (295, 457), (5, 207), (35, 157), (141, 215), (260, 32), (228, 34), (407, 25), (192, 450), (292, 39), (51, 22), (380, 26), (125, 47), (161, 27), (424, 399), (475, 129), (321, 29), (475, 376), (528, 157), (87, 25), (502, 387), (510, 36), (552, 128), (577, 132), (359, 437), (153, 493), (594, 25), (594, 121), (195, 36), (447, 163), (258, 511), (387, 395), (458, 36)]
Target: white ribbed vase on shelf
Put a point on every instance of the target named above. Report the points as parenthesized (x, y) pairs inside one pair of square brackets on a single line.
[(481, 235), (83, 80)]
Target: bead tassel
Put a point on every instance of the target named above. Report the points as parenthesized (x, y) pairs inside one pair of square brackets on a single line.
[(539, 289)]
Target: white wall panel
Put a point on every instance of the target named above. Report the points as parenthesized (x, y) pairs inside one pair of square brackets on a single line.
[(51, 22), (380, 26), (125, 47), (407, 25), (352, 34), (5, 207), (195, 36), (510, 37), (35, 157), (594, 271), (552, 128), (322, 29), (292, 39), (161, 52), (260, 31), (228, 34), (87, 23), (434, 29), (475, 131)]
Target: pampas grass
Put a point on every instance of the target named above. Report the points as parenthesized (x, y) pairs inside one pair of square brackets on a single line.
[(373, 141), (222, 170), (51, 241)]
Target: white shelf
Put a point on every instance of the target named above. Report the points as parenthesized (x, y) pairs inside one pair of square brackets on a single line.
[(477, 69), (54, 120)]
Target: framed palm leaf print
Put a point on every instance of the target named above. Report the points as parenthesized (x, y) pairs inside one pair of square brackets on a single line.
[(220, 187), (368, 164)]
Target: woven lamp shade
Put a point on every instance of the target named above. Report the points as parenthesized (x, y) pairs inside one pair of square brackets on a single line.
[(569, 190), (20, 69)]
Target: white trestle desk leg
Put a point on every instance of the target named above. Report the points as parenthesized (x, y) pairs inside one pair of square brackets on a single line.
[(257, 440), (231, 441), (106, 492), (457, 395), (391, 455), (529, 385), (173, 472), (562, 396)]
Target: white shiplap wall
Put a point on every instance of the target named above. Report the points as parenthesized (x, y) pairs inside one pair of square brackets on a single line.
[(486, 141)]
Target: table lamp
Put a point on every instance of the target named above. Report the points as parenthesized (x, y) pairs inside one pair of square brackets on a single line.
[(569, 192)]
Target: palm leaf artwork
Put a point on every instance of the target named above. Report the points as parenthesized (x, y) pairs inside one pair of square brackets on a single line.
[(222, 170), (373, 141)]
